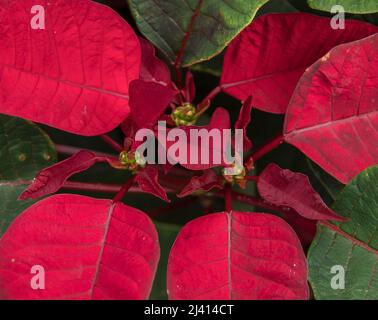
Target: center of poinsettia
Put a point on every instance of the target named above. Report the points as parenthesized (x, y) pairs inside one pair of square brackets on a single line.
[(236, 178), (185, 115), (131, 161)]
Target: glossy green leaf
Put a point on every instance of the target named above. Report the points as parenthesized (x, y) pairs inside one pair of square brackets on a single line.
[(352, 6), (167, 235), (192, 30), (352, 245), (24, 150)]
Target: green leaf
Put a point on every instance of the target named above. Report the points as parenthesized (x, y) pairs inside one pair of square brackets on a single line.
[(24, 150), (191, 31), (277, 6), (352, 245), (351, 6), (167, 235), (212, 66)]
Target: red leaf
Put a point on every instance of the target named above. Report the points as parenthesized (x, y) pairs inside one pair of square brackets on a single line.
[(268, 57), (147, 180), (243, 121), (283, 187), (148, 100), (207, 181), (333, 115), (75, 74), (152, 68), (237, 255), (51, 179), (89, 249)]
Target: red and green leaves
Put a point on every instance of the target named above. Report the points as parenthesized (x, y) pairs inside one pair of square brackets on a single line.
[(73, 75), (87, 73), (268, 58), (333, 114), (237, 255), (351, 246), (194, 31), (89, 249)]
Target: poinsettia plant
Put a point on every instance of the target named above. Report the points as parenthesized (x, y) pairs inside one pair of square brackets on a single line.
[(89, 212)]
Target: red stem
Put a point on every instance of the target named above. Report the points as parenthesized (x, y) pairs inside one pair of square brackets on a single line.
[(185, 40), (219, 89), (113, 144), (179, 79), (70, 150), (259, 203), (86, 186), (126, 187), (252, 178), (271, 145), (210, 96), (228, 198)]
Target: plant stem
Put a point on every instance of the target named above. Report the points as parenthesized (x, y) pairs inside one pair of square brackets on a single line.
[(252, 178), (113, 144), (70, 150), (126, 187), (219, 89), (271, 145), (210, 97), (87, 186), (179, 79), (228, 198), (259, 203)]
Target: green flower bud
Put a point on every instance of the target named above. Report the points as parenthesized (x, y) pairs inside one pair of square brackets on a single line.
[(184, 115), (132, 161)]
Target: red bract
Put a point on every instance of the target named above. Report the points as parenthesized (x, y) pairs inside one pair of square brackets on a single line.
[(333, 115), (237, 255), (151, 94), (207, 181), (268, 58), (76, 76), (152, 68), (292, 189), (148, 101), (89, 249), (147, 180), (243, 121), (51, 179)]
